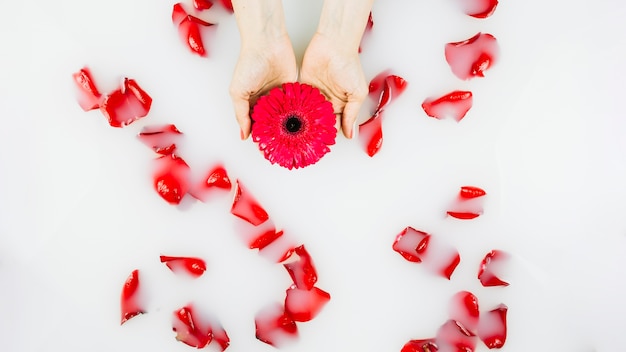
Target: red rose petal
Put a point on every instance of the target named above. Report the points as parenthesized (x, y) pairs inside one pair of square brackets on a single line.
[(492, 327), (274, 326), (426, 345), (464, 309), (304, 305), (393, 86), (469, 192), (130, 305), (126, 105), (88, 95), (371, 134), (479, 8), (247, 208), (453, 336), (280, 249), (472, 57), (376, 84), (491, 265), (228, 5), (178, 13), (217, 178), (439, 257), (463, 215), (189, 31), (220, 336), (302, 270), (161, 138), (171, 180), (193, 266), (454, 104), (201, 5), (411, 244), (189, 329), (265, 239)]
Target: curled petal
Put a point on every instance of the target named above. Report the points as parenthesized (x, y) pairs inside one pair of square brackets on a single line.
[(411, 244), (472, 57), (453, 336), (479, 8), (464, 309), (178, 13), (377, 83), (189, 329), (247, 208), (455, 104), (490, 266), (130, 303), (192, 266), (189, 30), (469, 192), (304, 305), (171, 179), (371, 134), (492, 328), (463, 215), (393, 87), (88, 95), (265, 239), (302, 270), (201, 5), (216, 178), (161, 138), (426, 345), (274, 326), (126, 105)]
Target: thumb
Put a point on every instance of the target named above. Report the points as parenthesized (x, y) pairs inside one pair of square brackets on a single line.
[(242, 113), (350, 113)]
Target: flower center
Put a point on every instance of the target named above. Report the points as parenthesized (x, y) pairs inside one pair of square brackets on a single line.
[(293, 124)]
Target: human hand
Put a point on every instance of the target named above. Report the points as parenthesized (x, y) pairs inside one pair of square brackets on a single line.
[(337, 73), (257, 71), (266, 59)]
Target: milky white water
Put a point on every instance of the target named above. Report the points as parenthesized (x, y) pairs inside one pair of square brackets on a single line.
[(544, 138)]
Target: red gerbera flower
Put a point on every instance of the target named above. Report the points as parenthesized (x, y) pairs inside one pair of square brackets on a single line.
[(294, 125)]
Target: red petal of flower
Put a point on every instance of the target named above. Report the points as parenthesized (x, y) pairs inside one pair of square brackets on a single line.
[(161, 138), (279, 250), (455, 104), (464, 309), (426, 345), (368, 28), (193, 266), (439, 257), (247, 208), (392, 88), (220, 336), (178, 13), (411, 243), (228, 5), (171, 180), (216, 178), (376, 84), (371, 134), (274, 326), (202, 4), (126, 105), (130, 305), (489, 266), (189, 31), (189, 330), (265, 239), (304, 305), (463, 215), (480, 8), (453, 336), (137, 95), (492, 327), (469, 192), (302, 271), (88, 95), (472, 57)]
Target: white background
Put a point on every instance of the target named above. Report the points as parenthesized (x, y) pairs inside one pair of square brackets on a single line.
[(545, 138)]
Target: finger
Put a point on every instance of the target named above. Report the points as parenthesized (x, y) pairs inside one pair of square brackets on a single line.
[(350, 113), (242, 113)]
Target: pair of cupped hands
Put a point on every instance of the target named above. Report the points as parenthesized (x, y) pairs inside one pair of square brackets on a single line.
[(331, 61)]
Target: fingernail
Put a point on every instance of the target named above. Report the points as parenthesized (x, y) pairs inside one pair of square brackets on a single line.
[(241, 134)]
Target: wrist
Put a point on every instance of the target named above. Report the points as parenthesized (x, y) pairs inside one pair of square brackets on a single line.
[(261, 22), (343, 22)]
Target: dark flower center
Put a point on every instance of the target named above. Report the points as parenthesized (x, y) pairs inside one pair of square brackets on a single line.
[(293, 124)]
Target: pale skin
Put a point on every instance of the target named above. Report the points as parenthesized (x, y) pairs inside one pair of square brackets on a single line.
[(331, 61)]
